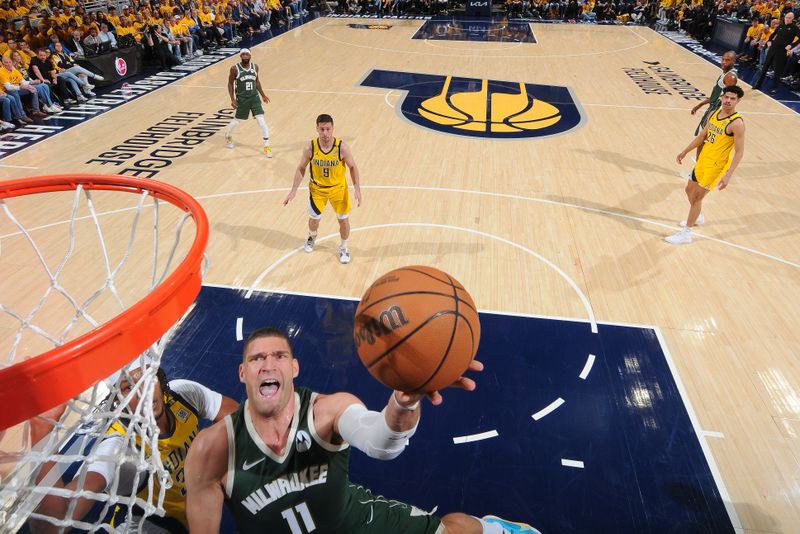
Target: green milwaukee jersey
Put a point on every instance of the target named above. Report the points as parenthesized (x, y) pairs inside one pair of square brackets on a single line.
[(305, 490), (716, 92), (246, 82), (715, 101)]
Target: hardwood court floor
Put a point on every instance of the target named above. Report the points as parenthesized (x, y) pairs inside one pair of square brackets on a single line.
[(595, 202)]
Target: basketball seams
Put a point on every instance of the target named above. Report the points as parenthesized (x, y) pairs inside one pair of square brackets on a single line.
[(448, 282), (387, 297), (417, 368), (452, 337), (403, 340)]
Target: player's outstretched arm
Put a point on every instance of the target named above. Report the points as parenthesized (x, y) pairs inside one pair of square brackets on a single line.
[(700, 104), (435, 397), (206, 469), (57, 507), (355, 176), (381, 435), (299, 173)]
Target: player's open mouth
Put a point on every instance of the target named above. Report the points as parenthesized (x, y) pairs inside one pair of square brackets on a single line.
[(269, 388)]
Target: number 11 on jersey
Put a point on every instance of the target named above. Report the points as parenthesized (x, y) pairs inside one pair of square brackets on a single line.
[(290, 515)]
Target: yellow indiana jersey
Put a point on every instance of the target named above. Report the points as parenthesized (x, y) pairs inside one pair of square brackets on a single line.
[(327, 168), (718, 145), (173, 448)]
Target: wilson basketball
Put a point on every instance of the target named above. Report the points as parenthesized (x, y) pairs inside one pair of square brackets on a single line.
[(416, 329)]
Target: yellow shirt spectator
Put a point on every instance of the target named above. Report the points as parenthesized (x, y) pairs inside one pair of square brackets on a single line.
[(13, 77)]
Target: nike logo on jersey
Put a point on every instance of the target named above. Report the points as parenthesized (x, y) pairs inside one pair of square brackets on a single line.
[(247, 466)]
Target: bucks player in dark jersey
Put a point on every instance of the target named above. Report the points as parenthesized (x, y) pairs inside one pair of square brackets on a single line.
[(281, 460), (244, 88), (726, 78)]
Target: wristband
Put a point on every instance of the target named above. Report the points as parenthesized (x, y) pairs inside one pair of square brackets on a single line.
[(406, 408)]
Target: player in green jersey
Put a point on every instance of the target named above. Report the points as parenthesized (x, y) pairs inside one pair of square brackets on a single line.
[(244, 88), (280, 462)]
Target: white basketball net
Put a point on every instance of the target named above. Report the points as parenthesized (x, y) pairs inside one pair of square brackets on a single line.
[(35, 481)]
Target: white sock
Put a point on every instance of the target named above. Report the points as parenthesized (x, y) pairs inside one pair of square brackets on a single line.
[(264, 128), (343, 244), (232, 126), (490, 528), (312, 234)]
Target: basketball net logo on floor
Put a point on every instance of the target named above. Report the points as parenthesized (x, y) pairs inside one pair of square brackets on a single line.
[(482, 108)]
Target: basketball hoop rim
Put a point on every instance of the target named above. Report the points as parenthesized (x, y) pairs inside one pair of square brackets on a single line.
[(35, 385)]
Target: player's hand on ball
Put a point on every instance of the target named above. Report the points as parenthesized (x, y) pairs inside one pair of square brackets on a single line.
[(435, 398)]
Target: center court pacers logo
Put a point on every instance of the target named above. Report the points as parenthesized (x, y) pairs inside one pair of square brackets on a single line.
[(482, 108)]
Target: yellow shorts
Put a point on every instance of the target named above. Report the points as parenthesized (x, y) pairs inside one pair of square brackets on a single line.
[(708, 176), (337, 195)]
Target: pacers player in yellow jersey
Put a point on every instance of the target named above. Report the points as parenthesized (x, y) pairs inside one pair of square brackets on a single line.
[(178, 406), (722, 137), (328, 157)]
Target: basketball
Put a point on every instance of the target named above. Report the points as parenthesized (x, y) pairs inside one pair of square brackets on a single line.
[(729, 79), (416, 329)]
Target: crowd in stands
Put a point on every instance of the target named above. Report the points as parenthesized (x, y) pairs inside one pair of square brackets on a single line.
[(43, 39), (636, 11), (697, 19)]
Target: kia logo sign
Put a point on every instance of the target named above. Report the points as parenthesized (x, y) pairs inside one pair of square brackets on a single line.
[(121, 66)]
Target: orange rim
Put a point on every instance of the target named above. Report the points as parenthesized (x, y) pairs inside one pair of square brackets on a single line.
[(45, 381)]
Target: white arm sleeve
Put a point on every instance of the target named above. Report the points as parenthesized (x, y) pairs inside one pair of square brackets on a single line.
[(107, 450), (367, 431), (206, 401)]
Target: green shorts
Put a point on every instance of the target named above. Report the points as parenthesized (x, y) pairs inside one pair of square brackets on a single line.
[(371, 514), (245, 106)]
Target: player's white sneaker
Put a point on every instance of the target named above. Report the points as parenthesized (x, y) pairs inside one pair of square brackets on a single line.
[(684, 237), (344, 255), (268, 151), (228, 141), (310, 243), (510, 526), (700, 220)]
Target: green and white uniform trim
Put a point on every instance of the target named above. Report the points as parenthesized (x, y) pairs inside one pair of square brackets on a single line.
[(306, 489)]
